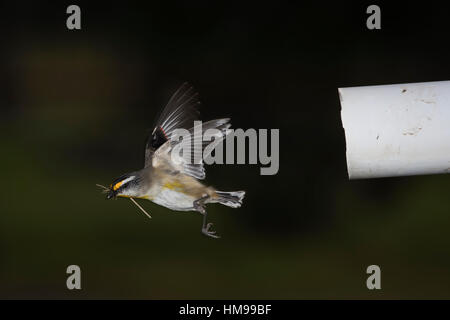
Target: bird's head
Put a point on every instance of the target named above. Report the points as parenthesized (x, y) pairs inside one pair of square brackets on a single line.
[(126, 185)]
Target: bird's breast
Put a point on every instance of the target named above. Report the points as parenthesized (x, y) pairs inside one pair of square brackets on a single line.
[(174, 200)]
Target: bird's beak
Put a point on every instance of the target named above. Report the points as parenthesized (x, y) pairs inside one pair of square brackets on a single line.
[(111, 194)]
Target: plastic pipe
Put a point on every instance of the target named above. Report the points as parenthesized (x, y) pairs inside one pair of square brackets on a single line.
[(396, 130)]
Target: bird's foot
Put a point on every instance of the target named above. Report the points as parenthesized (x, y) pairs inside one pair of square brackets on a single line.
[(209, 233)]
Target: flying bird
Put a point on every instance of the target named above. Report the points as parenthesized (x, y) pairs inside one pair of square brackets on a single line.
[(169, 179)]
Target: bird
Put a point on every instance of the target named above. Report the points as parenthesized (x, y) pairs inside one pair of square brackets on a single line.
[(172, 181)]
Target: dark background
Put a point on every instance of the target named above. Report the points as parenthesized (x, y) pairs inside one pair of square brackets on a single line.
[(77, 105)]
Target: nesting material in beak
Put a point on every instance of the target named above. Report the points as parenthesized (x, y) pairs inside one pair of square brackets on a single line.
[(112, 194), (109, 193)]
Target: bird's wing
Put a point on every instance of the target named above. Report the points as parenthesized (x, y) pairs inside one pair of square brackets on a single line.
[(180, 112), (169, 157)]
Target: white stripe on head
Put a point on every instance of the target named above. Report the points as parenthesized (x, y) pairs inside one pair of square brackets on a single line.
[(128, 179)]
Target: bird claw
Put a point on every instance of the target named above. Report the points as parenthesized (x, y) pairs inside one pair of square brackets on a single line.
[(209, 233)]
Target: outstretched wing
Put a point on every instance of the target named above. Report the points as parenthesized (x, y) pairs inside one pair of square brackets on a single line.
[(180, 112), (165, 158)]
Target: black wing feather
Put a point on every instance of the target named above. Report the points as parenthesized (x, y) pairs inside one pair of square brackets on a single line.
[(180, 112)]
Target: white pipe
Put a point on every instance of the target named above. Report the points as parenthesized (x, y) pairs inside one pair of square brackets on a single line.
[(397, 130)]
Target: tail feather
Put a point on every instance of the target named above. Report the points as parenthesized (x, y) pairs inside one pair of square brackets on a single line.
[(231, 199)]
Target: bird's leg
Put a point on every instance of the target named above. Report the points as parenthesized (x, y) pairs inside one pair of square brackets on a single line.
[(199, 205), (206, 228)]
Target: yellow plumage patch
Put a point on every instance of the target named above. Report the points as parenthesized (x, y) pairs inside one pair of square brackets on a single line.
[(173, 185), (117, 185)]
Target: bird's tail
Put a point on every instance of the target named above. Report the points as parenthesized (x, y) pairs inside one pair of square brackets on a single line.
[(231, 199)]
